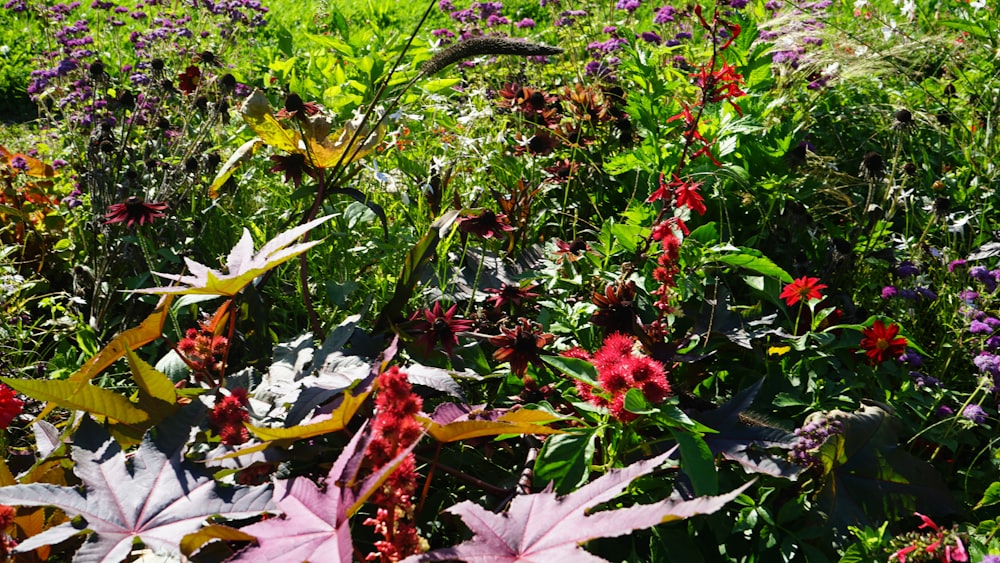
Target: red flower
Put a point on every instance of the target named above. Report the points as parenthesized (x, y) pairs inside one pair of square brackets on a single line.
[(189, 79), (487, 224), (294, 166), (133, 211), (520, 346), (10, 406), (688, 196), (228, 417), (437, 326), (802, 289), (571, 250), (881, 342), (510, 294)]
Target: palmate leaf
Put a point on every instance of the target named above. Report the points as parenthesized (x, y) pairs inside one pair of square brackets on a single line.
[(242, 264), (314, 527), (544, 527), (868, 478), (152, 496), (452, 422)]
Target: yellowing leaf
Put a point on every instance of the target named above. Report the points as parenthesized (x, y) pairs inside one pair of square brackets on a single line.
[(327, 151), (193, 542), (338, 421), (158, 396), (86, 397), (513, 422), (148, 330), (237, 159), (242, 264), (256, 112)]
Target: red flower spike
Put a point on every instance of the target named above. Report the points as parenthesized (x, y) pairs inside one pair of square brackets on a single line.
[(881, 343), (802, 289), (10, 406)]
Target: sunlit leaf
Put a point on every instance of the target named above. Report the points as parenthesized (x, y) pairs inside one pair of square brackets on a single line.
[(351, 142), (238, 158), (243, 266), (197, 540), (338, 421), (90, 398), (256, 112), (521, 421)]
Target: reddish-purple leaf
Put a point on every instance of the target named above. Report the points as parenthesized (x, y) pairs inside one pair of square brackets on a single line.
[(543, 527), (314, 526), (152, 496)]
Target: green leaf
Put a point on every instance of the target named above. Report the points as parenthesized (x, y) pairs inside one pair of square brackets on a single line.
[(565, 460), (628, 235), (238, 158), (991, 496), (759, 264), (635, 402), (706, 234), (697, 462), (577, 368)]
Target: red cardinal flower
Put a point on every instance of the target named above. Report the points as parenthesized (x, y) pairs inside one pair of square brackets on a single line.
[(881, 342), (802, 289)]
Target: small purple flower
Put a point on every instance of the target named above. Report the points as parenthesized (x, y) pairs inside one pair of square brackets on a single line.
[(945, 411), (911, 357), (979, 273), (526, 23), (664, 15), (628, 5), (975, 413), (968, 296), (993, 342), (889, 291), (990, 559), (773, 5), (907, 269), (987, 363), (923, 380), (979, 327), (650, 37), (954, 264), (19, 163), (58, 163), (993, 322), (445, 5), (908, 294), (927, 293)]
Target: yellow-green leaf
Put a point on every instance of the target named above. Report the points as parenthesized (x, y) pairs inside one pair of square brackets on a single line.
[(71, 395), (238, 158), (328, 150), (338, 421), (157, 396), (523, 421), (193, 542), (256, 112)]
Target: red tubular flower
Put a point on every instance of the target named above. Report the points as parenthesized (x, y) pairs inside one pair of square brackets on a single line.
[(881, 342), (802, 289), (134, 211), (437, 326), (10, 406)]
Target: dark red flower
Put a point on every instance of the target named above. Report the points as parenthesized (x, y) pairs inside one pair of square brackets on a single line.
[(294, 166), (437, 326), (514, 294), (802, 289), (571, 250), (189, 79), (133, 211), (487, 224), (228, 416), (296, 107), (520, 346), (616, 310), (882, 342)]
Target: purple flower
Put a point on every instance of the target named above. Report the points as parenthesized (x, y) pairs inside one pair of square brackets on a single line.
[(990, 559), (888, 292), (772, 5), (978, 327), (993, 322), (907, 269), (58, 163), (975, 413), (445, 5), (923, 380), (628, 5), (650, 37), (927, 293), (664, 15), (960, 263), (979, 273), (19, 162), (526, 23), (993, 342), (968, 296), (945, 411), (912, 357), (908, 294), (987, 363)]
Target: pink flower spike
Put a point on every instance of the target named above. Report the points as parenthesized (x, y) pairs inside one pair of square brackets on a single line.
[(928, 523), (956, 552), (902, 553)]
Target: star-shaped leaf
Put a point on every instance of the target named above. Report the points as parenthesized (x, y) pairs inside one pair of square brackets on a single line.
[(151, 496), (242, 264), (544, 527), (315, 522)]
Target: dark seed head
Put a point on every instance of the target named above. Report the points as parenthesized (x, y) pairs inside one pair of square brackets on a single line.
[(294, 103), (157, 64), (191, 164), (163, 123), (96, 69), (904, 116), (910, 169), (872, 166), (228, 82), (942, 205), (201, 102)]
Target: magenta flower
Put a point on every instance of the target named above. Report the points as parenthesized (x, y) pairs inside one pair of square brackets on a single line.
[(134, 211)]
